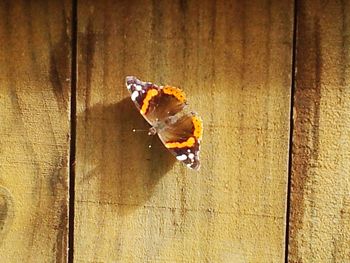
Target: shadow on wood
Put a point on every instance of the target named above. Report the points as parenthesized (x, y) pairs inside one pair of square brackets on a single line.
[(117, 160)]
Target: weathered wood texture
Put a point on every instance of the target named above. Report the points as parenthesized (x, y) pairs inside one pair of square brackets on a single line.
[(320, 204), (34, 130), (134, 204)]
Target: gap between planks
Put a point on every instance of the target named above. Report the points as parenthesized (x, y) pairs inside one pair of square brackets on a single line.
[(291, 129), (73, 121)]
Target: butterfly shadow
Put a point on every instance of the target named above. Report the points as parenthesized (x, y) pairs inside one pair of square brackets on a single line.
[(115, 163)]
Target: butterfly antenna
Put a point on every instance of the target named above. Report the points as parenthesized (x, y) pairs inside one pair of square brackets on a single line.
[(151, 131), (139, 130)]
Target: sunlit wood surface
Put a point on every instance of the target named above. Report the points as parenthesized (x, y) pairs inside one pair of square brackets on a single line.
[(274, 182), (233, 59), (35, 61)]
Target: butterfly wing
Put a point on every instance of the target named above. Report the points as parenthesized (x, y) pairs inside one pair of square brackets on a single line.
[(183, 137), (155, 103)]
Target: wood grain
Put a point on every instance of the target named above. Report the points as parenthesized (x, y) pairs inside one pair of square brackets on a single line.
[(135, 204), (320, 203), (34, 130)]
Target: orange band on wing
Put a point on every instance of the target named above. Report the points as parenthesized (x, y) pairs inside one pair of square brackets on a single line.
[(176, 92), (145, 104), (189, 143), (198, 131), (198, 127)]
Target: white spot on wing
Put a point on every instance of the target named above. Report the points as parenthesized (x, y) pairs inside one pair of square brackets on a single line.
[(138, 87), (134, 95), (191, 155), (181, 157), (129, 86)]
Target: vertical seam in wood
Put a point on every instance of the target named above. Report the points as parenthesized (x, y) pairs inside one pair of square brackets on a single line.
[(291, 128), (72, 130)]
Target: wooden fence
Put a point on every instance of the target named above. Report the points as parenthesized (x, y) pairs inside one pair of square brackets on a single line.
[(270, 79)]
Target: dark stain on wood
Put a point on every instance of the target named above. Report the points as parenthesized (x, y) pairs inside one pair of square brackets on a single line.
[(307, 107), (3, 211), (243, 27), (185, 35), (59, 71), (317, 92), (6, 18), (183, 6), (27, 19), (62, 235), (88, 51), (6, 212), (212, 32), (58, 178), (345, 8), (57, 184), (157, 34)]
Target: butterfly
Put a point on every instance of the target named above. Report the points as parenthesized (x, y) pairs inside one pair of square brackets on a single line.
[(165, 109)]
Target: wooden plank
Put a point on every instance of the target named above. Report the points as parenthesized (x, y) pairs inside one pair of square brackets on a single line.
[(320, 203), (34, 130), (135, 204)]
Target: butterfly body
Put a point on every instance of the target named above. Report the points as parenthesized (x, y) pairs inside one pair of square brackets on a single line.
[(165, 109)]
